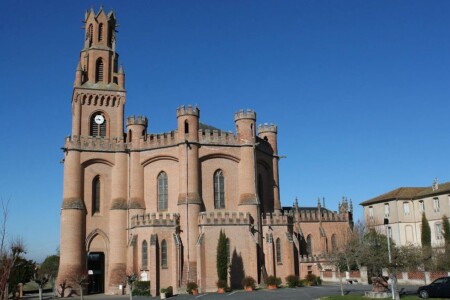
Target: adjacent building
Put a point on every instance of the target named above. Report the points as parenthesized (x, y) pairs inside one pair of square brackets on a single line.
[(403, 209), (154, 204)]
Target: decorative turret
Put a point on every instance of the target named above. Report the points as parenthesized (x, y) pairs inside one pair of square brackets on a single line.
[(245, 125), (188, 123), (136, 128), (269, 134)]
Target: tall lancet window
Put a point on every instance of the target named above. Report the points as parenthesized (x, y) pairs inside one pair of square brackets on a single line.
[(309, 245), (97, 125), (99, 70), (278, 250), (219, 190), (96, 195), (100, 32), (144, 255), (162, 191), (164, 254)]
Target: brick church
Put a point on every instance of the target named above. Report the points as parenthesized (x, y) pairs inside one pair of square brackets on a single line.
[(154, 204)]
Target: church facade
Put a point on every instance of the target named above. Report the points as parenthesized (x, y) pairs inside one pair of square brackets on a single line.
[(154, 204)]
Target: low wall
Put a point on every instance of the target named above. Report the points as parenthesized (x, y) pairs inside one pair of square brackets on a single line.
[(351, 277), (417, 277)]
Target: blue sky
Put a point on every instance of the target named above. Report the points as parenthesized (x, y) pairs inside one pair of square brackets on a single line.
[(359, 90)]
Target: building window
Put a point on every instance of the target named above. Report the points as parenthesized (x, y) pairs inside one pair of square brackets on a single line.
[(100, 32), (406, 208), (436, 205), (162, 192), (309, 245), (386, 210), (99, 70), (219, 190), (164, 254), (333, 244), (421, 206), (98, 125), (144, 255), (96, 195), (278, 249), (186, 127), (371, 212), (438, 231)]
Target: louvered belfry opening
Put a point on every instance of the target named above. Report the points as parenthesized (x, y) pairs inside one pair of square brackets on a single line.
[(100, 32), (97, 129), (99, 70)]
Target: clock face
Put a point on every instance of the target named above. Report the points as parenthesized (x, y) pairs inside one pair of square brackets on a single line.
[(99, 119)]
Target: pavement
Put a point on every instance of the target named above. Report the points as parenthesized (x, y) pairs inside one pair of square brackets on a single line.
[(306, 293)]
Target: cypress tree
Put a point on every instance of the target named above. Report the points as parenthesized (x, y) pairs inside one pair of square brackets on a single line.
[(446, 228), (221, 259), (426, 240)]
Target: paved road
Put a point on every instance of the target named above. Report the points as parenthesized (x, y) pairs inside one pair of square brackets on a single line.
[(306, 293)]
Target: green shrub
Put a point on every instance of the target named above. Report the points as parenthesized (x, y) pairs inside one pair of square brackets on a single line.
[(312, 279), (168, 291), (191, 286), (249, 281), (221, 284), (301, 282), (141, 288), (292, 281), (272, 280)]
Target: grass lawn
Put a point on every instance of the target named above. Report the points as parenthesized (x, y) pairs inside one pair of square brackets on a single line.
[(355, 297)]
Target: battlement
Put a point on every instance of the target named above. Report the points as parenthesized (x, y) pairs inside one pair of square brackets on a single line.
[(91, 143), (158, 140), (223, 218), (155, 220), (308, 215), (277, 218), (182, 111), (267, 128), (209, 136), (249, 114), (140, 120)]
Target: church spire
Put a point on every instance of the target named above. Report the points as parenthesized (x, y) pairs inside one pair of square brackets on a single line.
[(98, 58)]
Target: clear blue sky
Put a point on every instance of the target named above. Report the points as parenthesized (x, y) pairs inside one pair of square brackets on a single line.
[(359, 90)]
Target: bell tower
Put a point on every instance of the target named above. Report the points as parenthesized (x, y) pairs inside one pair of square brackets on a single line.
[(99, 88), (94, 188)]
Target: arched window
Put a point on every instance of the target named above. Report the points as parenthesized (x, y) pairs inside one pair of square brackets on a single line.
[(144, 255), (100, 32), (333, 244), (98, 125), (162, 191), (164, 254), (309, 245), (278, 248), (219, 190), (89, 34), (96, 195), (99, 70)]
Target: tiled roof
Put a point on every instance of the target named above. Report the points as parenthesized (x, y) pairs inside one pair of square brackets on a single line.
[(442, 188), (399, 193), (408, 193)]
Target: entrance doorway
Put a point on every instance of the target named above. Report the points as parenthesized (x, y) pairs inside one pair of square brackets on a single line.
[(96, 272)]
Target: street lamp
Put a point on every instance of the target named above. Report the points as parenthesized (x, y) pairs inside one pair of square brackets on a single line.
[(386, 222)]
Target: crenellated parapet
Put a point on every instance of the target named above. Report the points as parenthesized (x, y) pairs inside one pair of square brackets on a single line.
[(139, 120), (314, 215), (231, 218), (277, 219), (103, 99), (248, 114), (192, 111), (155, 220), (208, 136), (266, 128), (90, 143)]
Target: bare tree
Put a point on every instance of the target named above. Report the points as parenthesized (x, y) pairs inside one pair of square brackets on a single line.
[(8, 252)]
